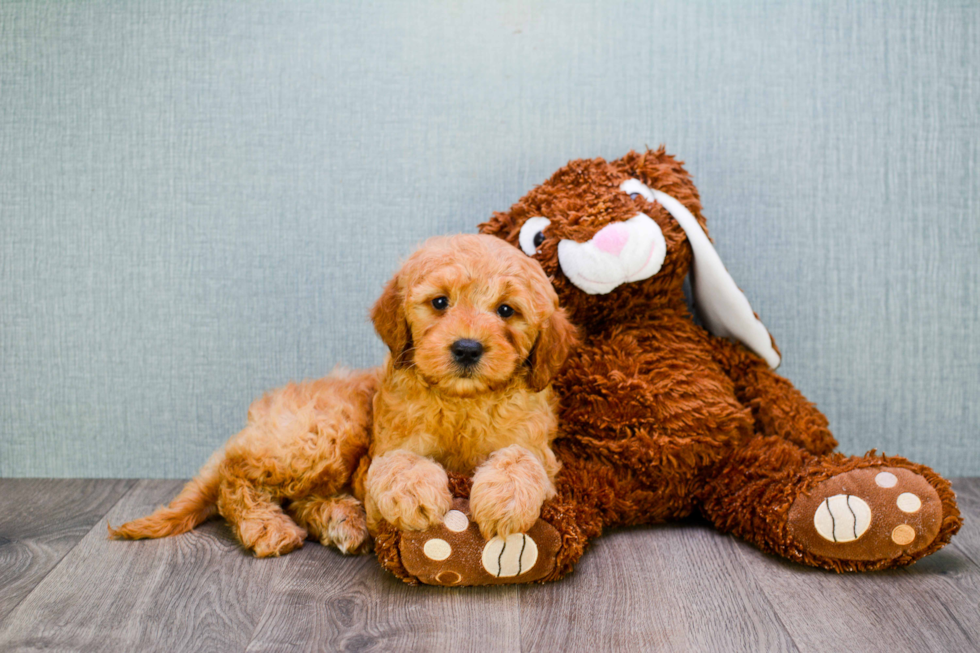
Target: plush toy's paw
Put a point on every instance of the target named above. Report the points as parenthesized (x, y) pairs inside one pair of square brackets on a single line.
[(454, 552), (875, 513)]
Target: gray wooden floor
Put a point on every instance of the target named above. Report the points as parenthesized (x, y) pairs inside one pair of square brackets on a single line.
[(64, 586)]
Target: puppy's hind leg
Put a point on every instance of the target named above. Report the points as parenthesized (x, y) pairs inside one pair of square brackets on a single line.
[(259, 522), (338, 520)]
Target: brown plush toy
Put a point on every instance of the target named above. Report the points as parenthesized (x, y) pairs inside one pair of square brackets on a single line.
[(660, 417)]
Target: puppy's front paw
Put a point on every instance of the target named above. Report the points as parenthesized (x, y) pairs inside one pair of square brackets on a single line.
[(410, 492), (508, 491), (415, 505)]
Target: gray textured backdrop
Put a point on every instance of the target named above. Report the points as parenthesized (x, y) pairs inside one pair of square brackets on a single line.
[(200, 200)]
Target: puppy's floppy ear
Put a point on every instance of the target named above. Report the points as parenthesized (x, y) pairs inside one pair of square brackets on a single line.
[(555, 341), (388, 315)]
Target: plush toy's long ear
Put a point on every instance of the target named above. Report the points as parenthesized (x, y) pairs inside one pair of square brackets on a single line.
[(388, 315), (554, 343), (722, 307)]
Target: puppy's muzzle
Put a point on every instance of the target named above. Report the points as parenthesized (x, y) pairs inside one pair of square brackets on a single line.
[(466, 352)]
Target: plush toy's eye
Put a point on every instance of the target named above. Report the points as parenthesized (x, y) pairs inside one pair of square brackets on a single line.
[(532, 235), (505, 311), (440, 303), (636, 188)]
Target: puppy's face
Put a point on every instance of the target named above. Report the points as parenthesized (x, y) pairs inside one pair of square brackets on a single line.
[(469, 313)]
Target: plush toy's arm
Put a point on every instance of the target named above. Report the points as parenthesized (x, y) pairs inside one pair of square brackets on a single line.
[(624, 402), (778, 407)]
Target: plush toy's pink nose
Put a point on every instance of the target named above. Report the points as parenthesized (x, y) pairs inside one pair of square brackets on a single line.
[(612, 238)]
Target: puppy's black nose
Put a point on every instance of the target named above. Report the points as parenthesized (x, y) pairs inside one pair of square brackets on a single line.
[(466, 352)]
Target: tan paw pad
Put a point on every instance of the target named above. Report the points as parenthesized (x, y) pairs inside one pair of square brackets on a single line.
[(437, 549), (511, 557), (903, 534), (842, 518)]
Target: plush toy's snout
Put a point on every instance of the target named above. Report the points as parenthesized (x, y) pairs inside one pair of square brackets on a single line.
[(634, 250), (612, 238), (620, 252)]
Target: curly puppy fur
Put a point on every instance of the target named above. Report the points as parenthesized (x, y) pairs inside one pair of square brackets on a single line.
[(285, 476), (492, 416)]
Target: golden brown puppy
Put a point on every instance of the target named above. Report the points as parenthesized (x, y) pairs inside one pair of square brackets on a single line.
[(476, 335), (297, 452), (473, 385)]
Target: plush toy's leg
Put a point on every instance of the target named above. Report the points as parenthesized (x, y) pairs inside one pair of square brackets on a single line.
[(454, 552), (778, 407), (844, 513), (338, 521)]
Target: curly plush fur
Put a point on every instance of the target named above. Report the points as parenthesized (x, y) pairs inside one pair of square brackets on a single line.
[(660, 419)]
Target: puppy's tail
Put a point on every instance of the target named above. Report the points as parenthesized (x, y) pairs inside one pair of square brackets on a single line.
[(195, 503)]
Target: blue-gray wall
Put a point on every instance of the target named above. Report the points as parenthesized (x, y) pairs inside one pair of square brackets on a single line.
[(199, 200)]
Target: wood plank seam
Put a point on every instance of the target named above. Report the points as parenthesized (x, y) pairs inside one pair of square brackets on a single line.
[(13, 610), (258, 621), (761, 593)]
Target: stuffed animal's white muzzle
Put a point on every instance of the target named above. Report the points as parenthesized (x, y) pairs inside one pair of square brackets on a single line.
[(621, 252)]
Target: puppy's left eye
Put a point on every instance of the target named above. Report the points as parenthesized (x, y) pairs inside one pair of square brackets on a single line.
[(505, 311), (440, 303)]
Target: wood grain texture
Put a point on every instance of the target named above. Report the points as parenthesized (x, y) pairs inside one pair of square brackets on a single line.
[(196, 592), (679, 586), (932, 605), (41, 520), (670, 587), (326, 601)]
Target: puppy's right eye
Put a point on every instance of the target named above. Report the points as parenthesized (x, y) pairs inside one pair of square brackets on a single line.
[(532, 235), (440, 303)]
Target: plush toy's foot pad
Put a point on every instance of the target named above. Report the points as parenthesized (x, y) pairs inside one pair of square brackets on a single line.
[(875, 513), (454, 552)]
